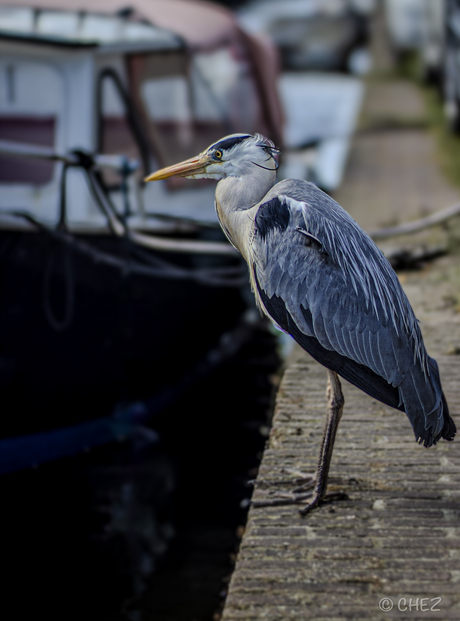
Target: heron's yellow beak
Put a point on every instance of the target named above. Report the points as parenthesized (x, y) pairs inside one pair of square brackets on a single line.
[(194, 166)]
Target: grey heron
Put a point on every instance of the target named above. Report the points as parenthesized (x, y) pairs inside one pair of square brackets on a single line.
[(320, 278)]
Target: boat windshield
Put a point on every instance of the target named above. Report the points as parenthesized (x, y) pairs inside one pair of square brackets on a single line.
[(188, 102)]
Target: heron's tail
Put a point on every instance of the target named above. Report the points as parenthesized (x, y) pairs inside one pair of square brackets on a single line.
[(425, 405)]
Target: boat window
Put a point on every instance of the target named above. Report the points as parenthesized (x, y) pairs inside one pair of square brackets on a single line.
[(31, 103), (224, 85), (115, 130), (188, 103)]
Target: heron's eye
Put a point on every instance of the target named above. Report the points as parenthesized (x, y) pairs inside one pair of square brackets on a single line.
[(218, 154)]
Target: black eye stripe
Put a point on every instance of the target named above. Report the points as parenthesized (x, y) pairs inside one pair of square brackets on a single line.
[(228, 143)]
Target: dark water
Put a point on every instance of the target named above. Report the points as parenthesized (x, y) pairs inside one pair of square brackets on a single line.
[(143, 529)]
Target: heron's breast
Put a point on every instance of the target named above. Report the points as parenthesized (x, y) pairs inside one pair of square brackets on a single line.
[(238, 226), (225, 225)]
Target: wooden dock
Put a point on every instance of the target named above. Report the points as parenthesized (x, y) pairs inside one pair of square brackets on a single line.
[(397, 537)]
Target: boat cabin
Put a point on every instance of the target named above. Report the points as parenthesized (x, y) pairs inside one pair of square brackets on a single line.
[(112, 85)]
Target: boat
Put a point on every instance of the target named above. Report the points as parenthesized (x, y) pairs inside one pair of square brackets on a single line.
[(114, 290), (120, 302)]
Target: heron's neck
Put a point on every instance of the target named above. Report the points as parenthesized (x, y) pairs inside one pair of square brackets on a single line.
[(240, 193), (235, 199)]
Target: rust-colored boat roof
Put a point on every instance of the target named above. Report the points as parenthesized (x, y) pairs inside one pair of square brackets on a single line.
[(201, 24)]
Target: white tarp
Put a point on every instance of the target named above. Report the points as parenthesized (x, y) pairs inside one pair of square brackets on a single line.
[(321, 111)]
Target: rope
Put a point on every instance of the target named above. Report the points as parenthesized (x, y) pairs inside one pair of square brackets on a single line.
[(59, 325)]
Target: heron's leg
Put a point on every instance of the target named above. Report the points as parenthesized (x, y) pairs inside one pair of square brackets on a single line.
[(333, 416), (318, 481)]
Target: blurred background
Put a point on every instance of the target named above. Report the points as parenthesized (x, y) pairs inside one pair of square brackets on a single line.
[(137, 377)]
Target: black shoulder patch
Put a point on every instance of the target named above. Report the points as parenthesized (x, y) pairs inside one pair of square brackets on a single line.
[(230, 142), (272, 215)]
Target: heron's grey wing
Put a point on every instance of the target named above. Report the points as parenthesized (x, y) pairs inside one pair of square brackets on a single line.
[(336, 286), (323, 280)]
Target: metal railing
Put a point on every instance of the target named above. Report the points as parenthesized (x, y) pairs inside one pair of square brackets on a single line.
[(144, 263)]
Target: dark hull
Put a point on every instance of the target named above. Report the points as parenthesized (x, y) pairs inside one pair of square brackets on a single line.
[(77, 338)]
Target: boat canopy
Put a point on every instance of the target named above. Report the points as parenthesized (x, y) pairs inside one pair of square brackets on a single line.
[(203, 26)]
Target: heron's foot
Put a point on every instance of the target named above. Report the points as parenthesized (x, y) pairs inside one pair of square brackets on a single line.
[(299, 495), (302, 480), (316, 500), (281, 500)]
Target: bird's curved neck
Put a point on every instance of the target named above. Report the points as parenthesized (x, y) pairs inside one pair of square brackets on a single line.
[(240, 193), (235, 198)]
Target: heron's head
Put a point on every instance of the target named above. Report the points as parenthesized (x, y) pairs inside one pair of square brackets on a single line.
[(233, 156)]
